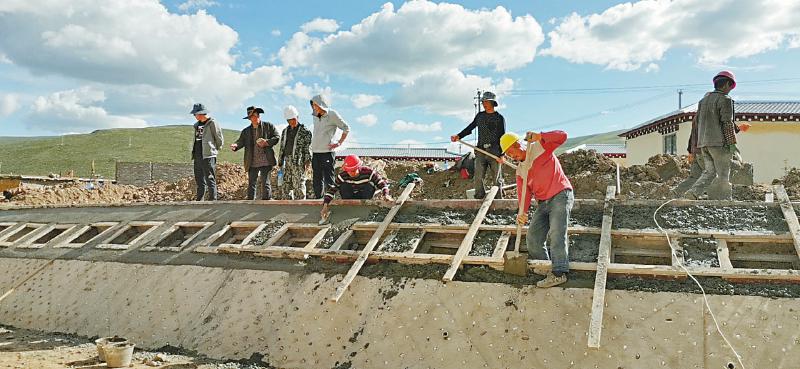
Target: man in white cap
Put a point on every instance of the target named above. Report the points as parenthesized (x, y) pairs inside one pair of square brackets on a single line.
[(326, 122), (716, 140), (491, 126), (295, 156)]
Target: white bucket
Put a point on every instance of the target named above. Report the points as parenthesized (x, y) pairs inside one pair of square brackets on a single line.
[(101, 342), (118, 355)]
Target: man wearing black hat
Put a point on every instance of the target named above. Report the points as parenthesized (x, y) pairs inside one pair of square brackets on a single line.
[(258, 140), (207, 142), (491, 126)]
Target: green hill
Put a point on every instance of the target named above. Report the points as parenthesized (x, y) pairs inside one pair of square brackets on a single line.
[(600, 138), (57, 154)]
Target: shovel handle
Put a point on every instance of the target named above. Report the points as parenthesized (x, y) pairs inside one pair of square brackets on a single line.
[(521, 206), (478, 149)]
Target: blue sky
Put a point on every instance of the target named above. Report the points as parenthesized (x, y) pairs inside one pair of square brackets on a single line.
[(397, 72)]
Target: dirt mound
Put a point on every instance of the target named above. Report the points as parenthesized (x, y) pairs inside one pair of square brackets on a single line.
[(437, 182), (582, 161), (792, 183)]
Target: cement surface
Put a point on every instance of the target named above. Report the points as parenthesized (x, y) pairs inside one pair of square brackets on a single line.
[(400, 323)]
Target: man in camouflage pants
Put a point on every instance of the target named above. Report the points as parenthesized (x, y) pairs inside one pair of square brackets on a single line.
[(295, 155)]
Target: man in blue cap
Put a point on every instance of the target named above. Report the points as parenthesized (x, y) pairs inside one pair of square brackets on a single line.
[(207, 142)]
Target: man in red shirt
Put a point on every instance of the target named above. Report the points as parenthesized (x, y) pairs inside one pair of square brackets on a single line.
[(547, 183)]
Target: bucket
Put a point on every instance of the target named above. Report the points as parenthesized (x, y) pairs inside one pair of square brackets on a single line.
[(118, 355), (101, 342)]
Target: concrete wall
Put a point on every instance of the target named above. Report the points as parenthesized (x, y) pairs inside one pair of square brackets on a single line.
[(385, 323), (142, 173), (772, 147)]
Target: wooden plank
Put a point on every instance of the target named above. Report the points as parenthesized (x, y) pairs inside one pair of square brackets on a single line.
[(502, 244), (603, 260), (789, 215), (317, 238), (416, 243), (723, 254), (466, 244), (376, 237), (337, 245), (677, 254)]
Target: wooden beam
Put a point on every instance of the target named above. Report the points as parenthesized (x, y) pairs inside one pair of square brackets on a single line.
[(789, 215), (603, 260), (376, 237), (416, 243), (466, 244), (502, 245), (723, 254)]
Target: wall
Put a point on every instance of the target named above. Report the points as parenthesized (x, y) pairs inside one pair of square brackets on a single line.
[(385, 323), (142, 173)]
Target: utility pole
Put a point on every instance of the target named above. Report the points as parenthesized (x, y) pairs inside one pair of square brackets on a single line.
[(680, 95), (477, 104)]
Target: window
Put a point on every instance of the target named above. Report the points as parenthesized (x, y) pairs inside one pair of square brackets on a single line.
[(670, 144)]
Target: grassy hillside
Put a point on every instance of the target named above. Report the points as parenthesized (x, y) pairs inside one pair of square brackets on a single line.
[(45, 155), (600, 138)]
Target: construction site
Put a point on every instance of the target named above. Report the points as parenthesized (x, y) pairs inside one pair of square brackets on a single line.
[(417, 283)]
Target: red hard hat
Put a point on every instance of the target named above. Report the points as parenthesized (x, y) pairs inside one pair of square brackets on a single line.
[(728, 75), (351, 162)]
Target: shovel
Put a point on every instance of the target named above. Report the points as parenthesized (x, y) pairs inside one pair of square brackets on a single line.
[(515, 263)]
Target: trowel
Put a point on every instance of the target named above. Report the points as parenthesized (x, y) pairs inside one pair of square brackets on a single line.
[(325, 218), (514, 262)]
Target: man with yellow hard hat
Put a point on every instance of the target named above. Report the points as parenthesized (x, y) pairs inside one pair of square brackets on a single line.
[(540, 176)]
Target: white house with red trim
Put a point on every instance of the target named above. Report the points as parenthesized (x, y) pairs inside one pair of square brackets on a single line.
[(772, 144)]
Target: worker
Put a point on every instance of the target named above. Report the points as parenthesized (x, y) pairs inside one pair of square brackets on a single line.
[(326, 121), (491, 125), (547, 183), (258, 140), (716, 140), (295, 156), (208, 140), (696, 160), (355, 181)]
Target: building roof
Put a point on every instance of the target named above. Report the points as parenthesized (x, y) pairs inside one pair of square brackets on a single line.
[(610, 150), (746, 110), (399, 153)]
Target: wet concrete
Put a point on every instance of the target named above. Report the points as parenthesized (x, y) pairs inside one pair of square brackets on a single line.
[(336, 230), (700, 252), (584, 248), (403, 241), (753, 218), (269, 230), (448, 216), (484, 243)]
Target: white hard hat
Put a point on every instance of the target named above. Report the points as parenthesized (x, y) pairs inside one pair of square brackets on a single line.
[(290, 112)]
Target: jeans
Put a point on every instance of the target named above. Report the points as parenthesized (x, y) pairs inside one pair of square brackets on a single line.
[(716, 177), (482, 162), (252, 181), (364, 191), (322, 166), (205, 176), (695, 172), (547, 233)]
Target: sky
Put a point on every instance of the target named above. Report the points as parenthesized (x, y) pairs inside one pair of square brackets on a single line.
[(398, 72)]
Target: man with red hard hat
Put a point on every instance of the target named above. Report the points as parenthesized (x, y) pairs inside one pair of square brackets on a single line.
[(355, 181), (716, 140)]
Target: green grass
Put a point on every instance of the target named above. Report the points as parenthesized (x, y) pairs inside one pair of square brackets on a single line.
[(45, 155), (600, 138)]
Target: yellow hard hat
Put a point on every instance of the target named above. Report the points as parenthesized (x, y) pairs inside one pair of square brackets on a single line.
[(508, 139)]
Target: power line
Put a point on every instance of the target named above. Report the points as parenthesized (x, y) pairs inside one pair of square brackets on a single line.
[(606, 111), (630, 89)]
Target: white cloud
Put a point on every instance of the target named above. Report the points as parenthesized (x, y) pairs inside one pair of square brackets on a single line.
[(320, 25), (304, 92), (632, 35), (75, 110), (418, 38), (275, 32), (170, 60), (4, 59), (403, 126), (361, 101), (9, 103), (196, 4), (447, 93), (368, 120)]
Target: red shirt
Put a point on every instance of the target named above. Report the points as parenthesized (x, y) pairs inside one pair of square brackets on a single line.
[(546, 178)]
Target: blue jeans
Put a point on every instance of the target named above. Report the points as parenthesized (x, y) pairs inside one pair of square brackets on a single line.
[(547, 233)]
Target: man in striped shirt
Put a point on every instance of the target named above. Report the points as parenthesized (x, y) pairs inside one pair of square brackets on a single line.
[(355, 181)]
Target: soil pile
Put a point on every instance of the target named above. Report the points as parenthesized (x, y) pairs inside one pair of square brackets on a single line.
[(792, 183)]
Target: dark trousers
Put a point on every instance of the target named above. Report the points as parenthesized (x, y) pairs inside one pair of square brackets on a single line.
[(364, 191), (205, 175), (252, 181), (322, 166), (482, 163)]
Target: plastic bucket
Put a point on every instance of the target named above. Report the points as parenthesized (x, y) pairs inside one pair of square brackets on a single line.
[(101, 342), (118, 355)]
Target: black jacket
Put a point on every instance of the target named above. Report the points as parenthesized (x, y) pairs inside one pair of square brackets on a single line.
[(248, 142)]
